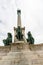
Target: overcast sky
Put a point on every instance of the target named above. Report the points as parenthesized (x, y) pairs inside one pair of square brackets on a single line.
[(31, 17)]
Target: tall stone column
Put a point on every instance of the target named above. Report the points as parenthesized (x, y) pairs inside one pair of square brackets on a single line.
[(19, 24), (19, 18)]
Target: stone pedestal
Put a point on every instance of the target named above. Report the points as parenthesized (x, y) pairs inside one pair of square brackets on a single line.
[(23, 54)]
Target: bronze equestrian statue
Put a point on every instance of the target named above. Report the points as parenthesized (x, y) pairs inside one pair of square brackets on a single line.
[(30, 39), (8, 40)]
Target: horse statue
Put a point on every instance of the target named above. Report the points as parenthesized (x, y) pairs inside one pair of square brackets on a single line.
[(8, 40), (30, 38)]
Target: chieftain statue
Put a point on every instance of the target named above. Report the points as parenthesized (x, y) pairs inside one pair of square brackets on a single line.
[(8, 40), (19, 34)]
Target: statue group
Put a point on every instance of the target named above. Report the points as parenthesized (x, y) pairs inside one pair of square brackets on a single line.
[(19, 36)]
